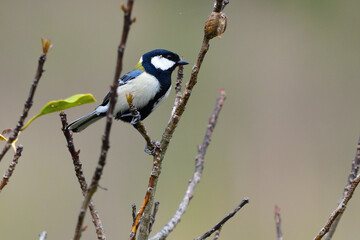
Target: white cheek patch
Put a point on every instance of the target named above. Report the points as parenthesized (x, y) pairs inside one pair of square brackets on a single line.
[(162, 63)]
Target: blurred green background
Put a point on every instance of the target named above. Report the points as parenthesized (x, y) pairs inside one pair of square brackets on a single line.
[(286, 136)]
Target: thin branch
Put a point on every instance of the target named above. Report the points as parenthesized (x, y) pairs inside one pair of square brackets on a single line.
[(217, 234), (133, 212), (43, 235), (170, 129), (199, 166), (277, 218), (353, 181), (139, 125), (354, 171), (27, 106), (11, 168), (152, 219), (178, 86), (109, 116), (148, 194), (224, 220), (81, 177)]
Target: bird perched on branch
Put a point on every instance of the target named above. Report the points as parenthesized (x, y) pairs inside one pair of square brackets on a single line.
[(149, 84)]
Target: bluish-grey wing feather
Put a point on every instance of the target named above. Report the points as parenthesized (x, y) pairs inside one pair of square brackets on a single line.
[(122, 81)]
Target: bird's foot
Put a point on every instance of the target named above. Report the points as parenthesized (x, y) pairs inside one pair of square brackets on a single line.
[(136, 119), (148, 151)]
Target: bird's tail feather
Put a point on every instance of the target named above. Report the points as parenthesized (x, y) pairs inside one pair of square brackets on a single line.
[(83, 122)]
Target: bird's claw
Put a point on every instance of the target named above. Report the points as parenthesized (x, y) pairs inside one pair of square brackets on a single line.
[(136, 118), (148, 151)]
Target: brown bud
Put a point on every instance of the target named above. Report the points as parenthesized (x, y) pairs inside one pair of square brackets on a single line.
[(215, 25)]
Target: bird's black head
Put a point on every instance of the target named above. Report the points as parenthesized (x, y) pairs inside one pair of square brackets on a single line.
[(161, 62)]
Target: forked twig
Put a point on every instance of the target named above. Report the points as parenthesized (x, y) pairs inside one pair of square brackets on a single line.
[(109, 116), (28, 102), (209, 33), (81, 177), (199, 166)]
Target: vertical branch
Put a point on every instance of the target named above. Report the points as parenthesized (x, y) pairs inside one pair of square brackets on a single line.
[(277, 218), (81, 177), (199, 166), (178, 85), (149, 193), (211, 30), (109, 116), (11, 168), (28, 102), (152, 219)]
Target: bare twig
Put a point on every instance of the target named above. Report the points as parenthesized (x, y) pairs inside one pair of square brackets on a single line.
[(109, 116), (199, 166), (178, 85), (353, 181), (43, 235), (133, 212), (224, 220), (152, 219), (81, 177), (148, 194), (217, 234), (170, 129), (27, 106), (277, 218), (139, 125), (354, 171), (11, 168)]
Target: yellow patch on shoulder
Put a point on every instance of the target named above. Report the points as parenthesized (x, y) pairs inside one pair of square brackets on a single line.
[(140, 67)]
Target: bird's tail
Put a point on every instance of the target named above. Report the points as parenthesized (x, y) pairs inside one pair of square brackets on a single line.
[(83, 122)]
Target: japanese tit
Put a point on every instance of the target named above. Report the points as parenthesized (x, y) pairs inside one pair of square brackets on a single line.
[(149, 83)]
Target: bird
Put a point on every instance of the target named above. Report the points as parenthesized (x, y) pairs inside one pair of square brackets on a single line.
[(149, 83)]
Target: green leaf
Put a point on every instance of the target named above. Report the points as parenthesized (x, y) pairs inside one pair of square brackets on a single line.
[(58, 105)]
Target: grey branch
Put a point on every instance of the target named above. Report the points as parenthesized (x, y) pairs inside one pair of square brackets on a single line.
[(11, 168), (224, 220), (277, 218), (43, 235), (175, 118), (27, 106), (354, 171), (81, 177), (217, 234), (109, 115), (199, 166), (353, 181)]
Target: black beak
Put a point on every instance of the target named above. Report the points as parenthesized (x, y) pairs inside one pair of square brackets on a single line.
[(182, 62)]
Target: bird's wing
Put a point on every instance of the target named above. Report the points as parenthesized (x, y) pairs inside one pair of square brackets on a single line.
[(122, 81)]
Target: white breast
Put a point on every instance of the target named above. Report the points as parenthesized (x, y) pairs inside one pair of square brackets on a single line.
[(143, 88)]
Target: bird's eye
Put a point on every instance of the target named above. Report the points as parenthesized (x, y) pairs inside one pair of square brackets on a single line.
[(171, 58)]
